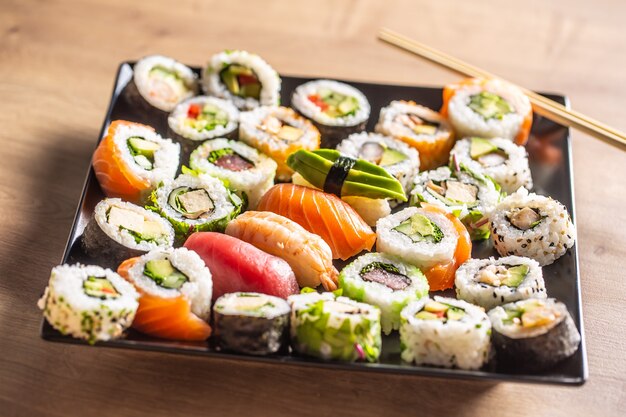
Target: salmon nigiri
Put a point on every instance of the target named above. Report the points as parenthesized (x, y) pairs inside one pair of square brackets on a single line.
[(132, 159), (307, 254), (175, 294), (321, 213)]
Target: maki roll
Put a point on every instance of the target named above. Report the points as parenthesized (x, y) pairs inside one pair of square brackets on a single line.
[(493, 282), (242, 167), (88, 302), (534, 334), (531, 225), (200, 118), (337, 109), (429, 238), (420, 127), (243, 78), (175, 294), (251, 323), (278, 132), (194, 203), (445, 332), (132, 159), (467, 194), (119, 230), (161, 82), (334, 328), (394, 156), (386, 282), (488, 109), (500, 159)]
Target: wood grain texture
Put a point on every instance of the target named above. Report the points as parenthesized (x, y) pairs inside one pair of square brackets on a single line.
[(57, 62)]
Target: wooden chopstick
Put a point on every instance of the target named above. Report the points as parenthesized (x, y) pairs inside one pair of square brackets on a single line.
[(541, 105)]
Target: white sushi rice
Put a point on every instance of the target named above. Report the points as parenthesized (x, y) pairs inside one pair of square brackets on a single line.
[(270, 306), (177, 120), (423, 254), (198, 290), (390, 301), (254, 181), (300, 101), (461, 343), (471, 289), (71, 311), (267, 76), (389, 125), (546, 242), (142, 80), (122, 236), (166, 158), (467, 122), (513, 173), (404, 171)]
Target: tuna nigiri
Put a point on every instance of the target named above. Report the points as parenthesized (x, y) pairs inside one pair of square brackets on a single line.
[(132, 159), (239, 266), (321, 213), (307, 254), (175, 294)]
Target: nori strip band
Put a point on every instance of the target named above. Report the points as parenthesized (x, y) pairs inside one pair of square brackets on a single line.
[(337, 175)]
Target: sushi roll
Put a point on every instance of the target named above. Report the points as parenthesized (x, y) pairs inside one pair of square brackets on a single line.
[(493, 282), (445, 332), (386, 282), (488, 108), (195, 203), (531, 225), (175, 294), (337, 109), (426, 237), (334, 328), (420, 127), (161, 82), (500, 159), (88, 302), (243, 78), (251, 323), (278, 132), (132, 159), (201, 118), (396, 157), (242, 167), (533, 334), (467, 194), (119, 230)]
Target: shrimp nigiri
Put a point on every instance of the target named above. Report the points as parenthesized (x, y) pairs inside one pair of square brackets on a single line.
[(307, 254)]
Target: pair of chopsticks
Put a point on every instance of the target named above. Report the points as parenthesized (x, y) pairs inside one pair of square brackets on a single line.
[(541, 105)]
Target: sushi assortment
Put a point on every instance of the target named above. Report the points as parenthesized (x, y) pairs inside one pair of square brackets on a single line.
[(261, 238)]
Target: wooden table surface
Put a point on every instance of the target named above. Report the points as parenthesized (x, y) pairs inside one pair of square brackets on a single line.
[(57, 63)]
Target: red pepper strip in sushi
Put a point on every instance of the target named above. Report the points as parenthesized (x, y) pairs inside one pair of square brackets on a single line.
[(441, 277), (238, 266), (324, 214), (165, 317), (307, 254)]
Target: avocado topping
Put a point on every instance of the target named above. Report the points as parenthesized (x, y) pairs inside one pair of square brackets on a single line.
[(206, 117), (434, 310), (419, 228), (490, 105), (499, 275), (100, 287), (380, 154), (241, 81), (142, 151), (385, 274), (164, 274), (526, 218), (135, 224), (486, 153), (251, 303), (227, 158), (192, 203), (533, 313), (335, 104), (453, 193)]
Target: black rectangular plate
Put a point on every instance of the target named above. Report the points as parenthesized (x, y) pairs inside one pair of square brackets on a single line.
[(551, 165)]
